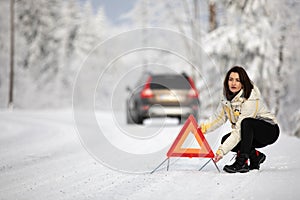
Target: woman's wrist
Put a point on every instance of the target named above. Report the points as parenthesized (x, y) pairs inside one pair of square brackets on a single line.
[(220, 152)]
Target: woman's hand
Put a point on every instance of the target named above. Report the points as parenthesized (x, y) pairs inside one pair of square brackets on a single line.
[(218, 156), (202, 128)]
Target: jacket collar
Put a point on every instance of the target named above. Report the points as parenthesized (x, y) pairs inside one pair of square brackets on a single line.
[(238, 96), (237, 99)]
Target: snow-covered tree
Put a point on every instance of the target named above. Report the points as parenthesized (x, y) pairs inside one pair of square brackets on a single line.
[(52, 39), (89, 32), (39, 44), (68, 32), (180, 16)]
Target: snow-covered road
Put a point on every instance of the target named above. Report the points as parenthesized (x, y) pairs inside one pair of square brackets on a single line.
[(41, 157)]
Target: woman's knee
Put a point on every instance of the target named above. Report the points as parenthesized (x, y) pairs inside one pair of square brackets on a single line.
[(236, 148)]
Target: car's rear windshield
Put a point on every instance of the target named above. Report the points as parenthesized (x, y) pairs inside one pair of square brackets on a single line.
[(170, 82)]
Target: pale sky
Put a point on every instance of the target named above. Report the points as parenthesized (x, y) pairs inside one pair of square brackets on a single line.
[(113, 8)]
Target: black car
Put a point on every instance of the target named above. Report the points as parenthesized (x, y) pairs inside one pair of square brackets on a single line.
[(162, 95)]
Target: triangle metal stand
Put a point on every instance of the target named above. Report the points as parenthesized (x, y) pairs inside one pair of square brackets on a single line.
[(207, 163), (168, 164)]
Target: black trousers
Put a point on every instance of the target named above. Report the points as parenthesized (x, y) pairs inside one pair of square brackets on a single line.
[(255, 133)]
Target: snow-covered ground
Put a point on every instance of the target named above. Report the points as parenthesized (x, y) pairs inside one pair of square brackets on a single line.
[(42, 157)]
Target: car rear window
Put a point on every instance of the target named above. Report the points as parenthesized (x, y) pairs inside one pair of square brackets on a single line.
[(170, 82)]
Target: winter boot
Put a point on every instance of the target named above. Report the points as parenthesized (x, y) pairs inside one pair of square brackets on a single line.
[(240, 165), (256, 158)]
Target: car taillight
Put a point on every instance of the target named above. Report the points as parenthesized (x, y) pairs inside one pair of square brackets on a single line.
[(147, 92), (193, 93)]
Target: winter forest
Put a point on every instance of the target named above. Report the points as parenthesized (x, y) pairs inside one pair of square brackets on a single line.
[(54, 39)]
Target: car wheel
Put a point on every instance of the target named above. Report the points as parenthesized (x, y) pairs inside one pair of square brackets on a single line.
[(129, 118), (181, 120), (139, 120), (129, 115)]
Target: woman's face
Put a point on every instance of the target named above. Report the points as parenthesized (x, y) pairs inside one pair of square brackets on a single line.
[(234, 82)]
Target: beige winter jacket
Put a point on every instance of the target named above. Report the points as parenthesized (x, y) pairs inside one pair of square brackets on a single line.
[(235, 111)]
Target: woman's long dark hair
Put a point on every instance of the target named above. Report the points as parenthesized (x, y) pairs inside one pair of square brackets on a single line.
[(244, 79)]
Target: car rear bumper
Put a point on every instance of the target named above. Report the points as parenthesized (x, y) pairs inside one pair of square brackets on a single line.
[(160, 111)]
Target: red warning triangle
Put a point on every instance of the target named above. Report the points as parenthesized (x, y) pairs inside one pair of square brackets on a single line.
[(190, 126)]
